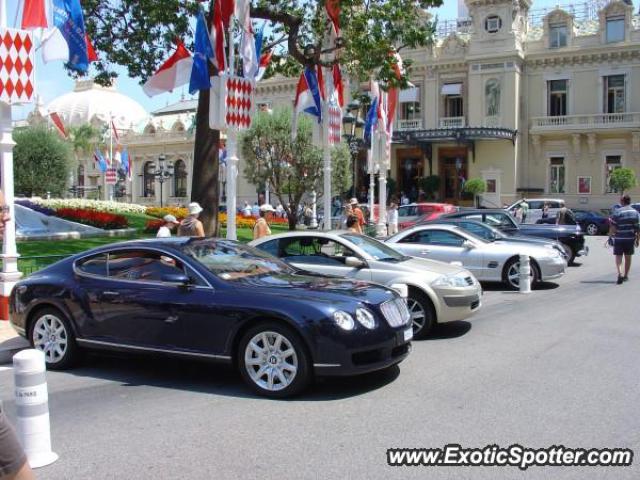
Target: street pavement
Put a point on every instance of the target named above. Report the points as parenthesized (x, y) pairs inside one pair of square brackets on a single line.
[(556, 367)]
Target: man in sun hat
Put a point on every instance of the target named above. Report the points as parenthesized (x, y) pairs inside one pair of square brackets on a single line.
[(357, 211), (170, 222), (191, 226), (261, 228)]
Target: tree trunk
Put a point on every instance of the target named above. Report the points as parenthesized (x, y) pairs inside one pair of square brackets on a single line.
[(204, 183)]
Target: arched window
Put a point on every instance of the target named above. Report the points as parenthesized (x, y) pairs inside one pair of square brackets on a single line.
[(492, 97), (81, 175), (180, 179), (148, 180)]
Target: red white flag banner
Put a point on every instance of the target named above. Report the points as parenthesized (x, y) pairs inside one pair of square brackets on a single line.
[(57, 122), (111, 176), (335, 124), (232, 102), (16, 66)]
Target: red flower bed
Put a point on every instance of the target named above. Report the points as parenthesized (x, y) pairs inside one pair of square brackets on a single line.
[(104, 220), (152, 226)]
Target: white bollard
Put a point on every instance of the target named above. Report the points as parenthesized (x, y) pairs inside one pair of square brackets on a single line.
[(525, 274), (32, 403), (402, 289)]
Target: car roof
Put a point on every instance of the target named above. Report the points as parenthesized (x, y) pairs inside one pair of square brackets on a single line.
[(477, 210), (304, 233), (453, 220), (433, 226)]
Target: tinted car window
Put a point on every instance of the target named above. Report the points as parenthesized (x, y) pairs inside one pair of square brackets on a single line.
[(313, 250), (270, 247), (142, 265), (535, 204), (407, 211), (479, 230), (435, 237), (498, 220), (96, 265)]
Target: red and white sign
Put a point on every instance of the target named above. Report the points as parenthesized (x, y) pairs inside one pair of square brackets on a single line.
[(232, 102), (16, 66), (334, 119), (111, 176)]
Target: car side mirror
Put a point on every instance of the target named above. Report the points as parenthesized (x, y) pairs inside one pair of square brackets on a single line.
[(354, 262), (468, 245), (177, 278)]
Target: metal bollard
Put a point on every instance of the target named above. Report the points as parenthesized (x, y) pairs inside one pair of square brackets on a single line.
[(32, 403), (525, 274)]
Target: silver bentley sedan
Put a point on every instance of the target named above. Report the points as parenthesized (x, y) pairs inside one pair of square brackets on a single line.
[(490, 261), (438, 292)]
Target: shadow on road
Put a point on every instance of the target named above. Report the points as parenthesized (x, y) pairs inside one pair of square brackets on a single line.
[(604, 282), (218, 379), (500, 287), (449, 330)]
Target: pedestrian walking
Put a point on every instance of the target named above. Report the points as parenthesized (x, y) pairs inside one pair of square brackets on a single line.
[(525, 210), (261, 228), (624, 234), (352, 224), (191, 226), (545, 210), (255, 210), (170, 222), (246, 210), (392, 218), (13, 461), (565, 217), (346, 213)]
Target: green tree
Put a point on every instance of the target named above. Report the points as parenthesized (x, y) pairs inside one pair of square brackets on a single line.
[(291, 167), (83, 139), (139, 35), (475, 187), (622, 179), (341, 169), (41, 161)]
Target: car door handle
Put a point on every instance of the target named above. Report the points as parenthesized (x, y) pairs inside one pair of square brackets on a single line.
[(109, 293), (424, 252)]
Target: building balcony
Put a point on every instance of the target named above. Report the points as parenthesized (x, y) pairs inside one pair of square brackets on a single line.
[(452, 122), (405, 125), (600, 121)]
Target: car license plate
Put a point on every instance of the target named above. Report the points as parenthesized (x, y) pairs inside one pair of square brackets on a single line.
[(408, 334)]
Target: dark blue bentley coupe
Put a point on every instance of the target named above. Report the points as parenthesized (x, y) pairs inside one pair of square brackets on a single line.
[(212, 299)]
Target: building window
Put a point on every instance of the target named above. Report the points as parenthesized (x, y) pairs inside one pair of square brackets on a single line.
[(614, 94), (492, 96), (615, 29), (180, 179), (410, 110), (556, 175), (557, 98), (81, 175), (612, 162), (558, 36), (149, 180), (493, 24)]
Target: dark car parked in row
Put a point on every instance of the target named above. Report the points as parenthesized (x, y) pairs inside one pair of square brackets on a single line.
[(569, 235), (593, 223), (212, 299)]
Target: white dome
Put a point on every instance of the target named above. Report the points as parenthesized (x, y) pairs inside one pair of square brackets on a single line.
[(90, 101)]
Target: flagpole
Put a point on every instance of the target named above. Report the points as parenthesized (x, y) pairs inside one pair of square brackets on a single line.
[(326, 157), (232, 152), (113, 187)]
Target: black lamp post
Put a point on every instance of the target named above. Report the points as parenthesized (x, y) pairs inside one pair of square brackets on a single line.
[(163, 172), (353, 133)]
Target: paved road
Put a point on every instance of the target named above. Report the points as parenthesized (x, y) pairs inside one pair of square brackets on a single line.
[(555, 367)]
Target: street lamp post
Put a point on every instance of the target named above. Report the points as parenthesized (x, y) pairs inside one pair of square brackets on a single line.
[(163, 172), (353, 133)]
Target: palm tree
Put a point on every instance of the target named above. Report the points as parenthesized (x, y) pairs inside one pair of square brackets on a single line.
[(83, 139)]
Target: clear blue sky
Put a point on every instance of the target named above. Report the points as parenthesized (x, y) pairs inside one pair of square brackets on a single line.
[(52, 80)]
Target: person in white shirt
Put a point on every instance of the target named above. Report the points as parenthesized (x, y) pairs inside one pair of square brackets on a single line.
[(246, 210), (170, 222), (392, 218)]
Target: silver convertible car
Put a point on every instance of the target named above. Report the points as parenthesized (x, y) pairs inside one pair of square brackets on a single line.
[(438, 292), (490, 261)]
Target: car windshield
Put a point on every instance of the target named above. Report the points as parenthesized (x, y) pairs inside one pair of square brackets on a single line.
[(231, 261), (377, 250)]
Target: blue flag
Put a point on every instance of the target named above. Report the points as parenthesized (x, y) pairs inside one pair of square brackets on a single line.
[(259, 40), (371, 121), (102, 163), (124, 160), (68, 18), (200, 79)]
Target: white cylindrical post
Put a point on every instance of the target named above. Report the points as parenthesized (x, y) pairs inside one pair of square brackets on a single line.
[(232, 174), (32, 403), (314, 210), (10, 274), (381, 227), (372, 184), (525, 274)]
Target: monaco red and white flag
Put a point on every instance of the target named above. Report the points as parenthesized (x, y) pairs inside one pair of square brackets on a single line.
[(217, 37), (57, 122), (265, 60), (173, 73), (34, 14)]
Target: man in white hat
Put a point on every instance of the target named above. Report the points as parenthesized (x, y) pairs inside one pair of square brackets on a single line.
[(261, 228), (170, 222), (191, 226)]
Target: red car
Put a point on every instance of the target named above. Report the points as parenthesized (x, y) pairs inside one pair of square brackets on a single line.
[(410, 215)]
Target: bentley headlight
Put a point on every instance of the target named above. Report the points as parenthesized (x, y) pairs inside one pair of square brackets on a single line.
[(366, 318), (343, 320)]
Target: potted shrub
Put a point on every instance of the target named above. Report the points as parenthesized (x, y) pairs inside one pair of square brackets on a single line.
[(475, 187)]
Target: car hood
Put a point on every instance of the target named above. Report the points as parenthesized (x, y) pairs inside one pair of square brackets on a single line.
[(425, 267), (308, 288), (569, 229), (528, 239), (511, 248)]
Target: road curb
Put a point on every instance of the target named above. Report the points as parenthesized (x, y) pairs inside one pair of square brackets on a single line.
[(10, 347)]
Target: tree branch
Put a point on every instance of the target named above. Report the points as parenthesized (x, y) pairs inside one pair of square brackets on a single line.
[(290, 21)]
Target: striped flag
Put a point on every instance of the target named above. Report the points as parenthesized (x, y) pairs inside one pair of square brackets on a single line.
[(57, 122)]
